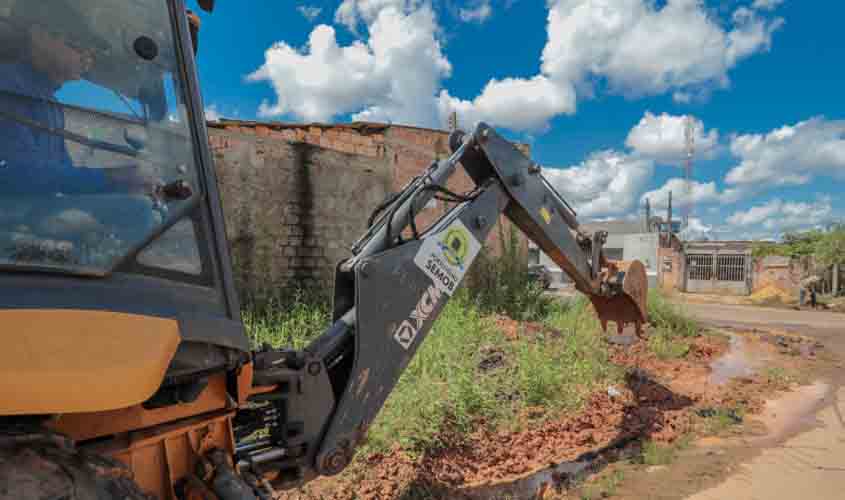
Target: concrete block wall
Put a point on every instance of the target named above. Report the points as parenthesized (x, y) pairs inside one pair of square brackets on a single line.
[(292, 209), (295, 196)]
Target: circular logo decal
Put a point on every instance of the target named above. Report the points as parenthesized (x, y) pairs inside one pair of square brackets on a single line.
[(455, 246)]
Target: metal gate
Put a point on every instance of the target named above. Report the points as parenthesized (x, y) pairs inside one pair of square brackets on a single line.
[(717, 273)]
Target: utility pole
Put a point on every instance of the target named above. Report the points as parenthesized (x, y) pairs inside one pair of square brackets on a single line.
[(689, 143), (669, 216), (453, 121)]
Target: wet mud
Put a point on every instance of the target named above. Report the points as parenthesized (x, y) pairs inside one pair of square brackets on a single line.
[(660, 400)]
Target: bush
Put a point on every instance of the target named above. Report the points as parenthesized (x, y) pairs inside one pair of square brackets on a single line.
[(499, 282)]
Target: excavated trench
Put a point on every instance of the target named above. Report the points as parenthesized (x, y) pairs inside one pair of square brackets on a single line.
[(659, 400), (743, 359)]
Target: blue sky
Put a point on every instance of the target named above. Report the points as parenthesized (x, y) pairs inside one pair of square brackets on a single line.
[(600, 88)]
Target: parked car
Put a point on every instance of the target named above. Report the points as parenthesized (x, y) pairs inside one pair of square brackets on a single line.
[(541, 275)]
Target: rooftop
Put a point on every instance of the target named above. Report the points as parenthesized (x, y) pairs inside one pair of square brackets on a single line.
[(616, 227)]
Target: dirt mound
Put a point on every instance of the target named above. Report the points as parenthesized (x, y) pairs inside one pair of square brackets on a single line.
[(772, 294)]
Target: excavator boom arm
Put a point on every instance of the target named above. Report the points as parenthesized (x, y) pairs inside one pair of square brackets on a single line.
[(388, 296)]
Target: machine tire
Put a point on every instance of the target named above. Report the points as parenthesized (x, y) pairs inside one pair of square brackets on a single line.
[(47, 466)]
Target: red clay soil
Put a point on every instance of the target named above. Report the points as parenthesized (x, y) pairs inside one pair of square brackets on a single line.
[(514, 330), (657, 401)]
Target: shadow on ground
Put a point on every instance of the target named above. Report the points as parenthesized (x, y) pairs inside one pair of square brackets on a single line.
[(656, 407)]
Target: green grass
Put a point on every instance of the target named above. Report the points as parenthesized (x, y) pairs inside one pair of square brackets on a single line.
[(443, 394), (670, 318), (723, 419), (559, 370), (291, 318), (671, 329), (666, 346), (443, 391), (654, 453), (604, 487), (498, 281)]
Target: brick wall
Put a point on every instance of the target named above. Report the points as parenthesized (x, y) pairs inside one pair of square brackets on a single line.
[(369, 158), (292, 209), (670, 268), (782, 273)]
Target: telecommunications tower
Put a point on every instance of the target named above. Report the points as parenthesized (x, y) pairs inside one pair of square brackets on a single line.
[(689, 149)]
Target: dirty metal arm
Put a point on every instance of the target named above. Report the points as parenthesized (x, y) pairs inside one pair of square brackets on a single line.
[(389, 294)]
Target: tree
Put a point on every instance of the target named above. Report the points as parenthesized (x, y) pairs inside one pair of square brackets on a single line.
[(793, 245), (830, 248)]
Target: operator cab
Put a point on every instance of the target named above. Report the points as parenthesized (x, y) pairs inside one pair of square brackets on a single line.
[(108, 201)]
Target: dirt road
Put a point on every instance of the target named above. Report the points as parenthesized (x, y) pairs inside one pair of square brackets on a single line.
[(811, 464), (818, 324)]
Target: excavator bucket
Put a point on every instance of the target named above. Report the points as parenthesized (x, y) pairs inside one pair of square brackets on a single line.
[(630, 305)]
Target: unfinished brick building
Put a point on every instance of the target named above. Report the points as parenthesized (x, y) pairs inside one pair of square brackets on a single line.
[(297, 196)]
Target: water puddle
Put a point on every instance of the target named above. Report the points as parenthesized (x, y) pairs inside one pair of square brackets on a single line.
[(533, 484), (794, 411), (530, 486), (741, 360)]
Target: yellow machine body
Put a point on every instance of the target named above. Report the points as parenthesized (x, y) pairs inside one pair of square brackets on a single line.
[(65, 361)]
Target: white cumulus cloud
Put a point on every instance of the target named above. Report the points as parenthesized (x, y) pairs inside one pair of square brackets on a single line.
[(790, 155), (641, 49), (393, 76), (635, 47), (606, 183), (778, 216), (766, 4), (701, 193), (395, 70), (477, 14), (662, 137), (697, 230), (309, 12), (351, 13), (514, 103)]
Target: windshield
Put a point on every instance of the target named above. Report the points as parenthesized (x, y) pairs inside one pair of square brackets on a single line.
[(95, 148)]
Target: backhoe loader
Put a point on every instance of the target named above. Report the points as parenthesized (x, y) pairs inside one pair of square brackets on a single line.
[(126, 369)]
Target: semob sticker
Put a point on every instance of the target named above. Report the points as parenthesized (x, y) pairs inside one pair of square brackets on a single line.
[(446, 256)]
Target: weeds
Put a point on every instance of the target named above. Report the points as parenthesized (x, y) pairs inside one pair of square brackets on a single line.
[(779, 377), (450, 386), (666, 347), (670, 318), (654, 453), (291, 318), (671, 328), (604, 487), (718, 420), (441, 390), (500, 283), (559, 370)]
